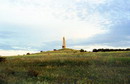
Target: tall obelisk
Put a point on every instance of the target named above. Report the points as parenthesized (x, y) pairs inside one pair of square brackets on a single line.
[(64, 43)]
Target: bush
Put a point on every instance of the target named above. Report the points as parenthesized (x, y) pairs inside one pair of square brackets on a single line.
[(41, 51), (109, 50), (54, 50), (82, 50), (2, 59), (28, 53)]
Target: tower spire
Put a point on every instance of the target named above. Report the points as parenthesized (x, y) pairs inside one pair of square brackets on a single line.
[(64, 43)]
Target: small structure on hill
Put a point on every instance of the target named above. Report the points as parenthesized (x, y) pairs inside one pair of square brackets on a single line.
[(54, 50), (64, 43)]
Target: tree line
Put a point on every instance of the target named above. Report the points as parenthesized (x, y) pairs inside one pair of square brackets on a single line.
[(108, 50)]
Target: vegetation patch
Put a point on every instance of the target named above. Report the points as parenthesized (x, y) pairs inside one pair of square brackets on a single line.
[(2, 59), (67, 67)]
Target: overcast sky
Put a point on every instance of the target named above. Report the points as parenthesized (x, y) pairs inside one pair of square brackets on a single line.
[(35, 25)]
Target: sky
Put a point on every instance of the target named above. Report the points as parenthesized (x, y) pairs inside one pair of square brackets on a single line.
[(39, 25)]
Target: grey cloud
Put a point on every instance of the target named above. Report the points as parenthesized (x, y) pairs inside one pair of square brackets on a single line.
[(116, 37)]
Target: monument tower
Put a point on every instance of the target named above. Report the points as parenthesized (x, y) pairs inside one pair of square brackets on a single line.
[(64, 43)]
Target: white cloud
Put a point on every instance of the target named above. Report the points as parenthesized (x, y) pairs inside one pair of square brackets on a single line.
[(97, 1), (48, 15), (14, 52), (96, 46), (93, 1), (49, 20)]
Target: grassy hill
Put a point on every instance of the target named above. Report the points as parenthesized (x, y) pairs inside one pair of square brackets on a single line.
[(67, 66)]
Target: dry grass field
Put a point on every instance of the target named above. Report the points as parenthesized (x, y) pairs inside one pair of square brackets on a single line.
[(66, 67)]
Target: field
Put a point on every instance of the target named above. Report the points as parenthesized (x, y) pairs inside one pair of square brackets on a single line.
[(67, 67)]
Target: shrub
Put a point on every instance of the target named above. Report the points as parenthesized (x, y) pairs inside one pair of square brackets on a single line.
[(41, 51), (2, 59), (108, 50), (54, 50), (28, 53), (82, 50)]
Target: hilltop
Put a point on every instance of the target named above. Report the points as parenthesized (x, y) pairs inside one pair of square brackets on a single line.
[(66, 66)]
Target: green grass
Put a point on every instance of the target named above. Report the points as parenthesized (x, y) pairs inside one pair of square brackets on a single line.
[(67, 67)]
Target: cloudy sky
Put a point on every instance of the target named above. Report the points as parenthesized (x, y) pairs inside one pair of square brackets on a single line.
[(35, 25)]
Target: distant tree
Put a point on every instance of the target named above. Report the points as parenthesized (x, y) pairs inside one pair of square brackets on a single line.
[(128, 49), (41, 51), (55, 50), (108, 50), (82, 50), (28, 53), (85, 51), (95, 50)]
